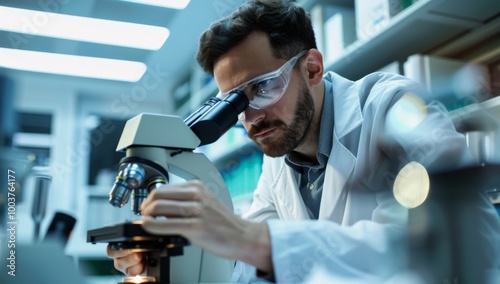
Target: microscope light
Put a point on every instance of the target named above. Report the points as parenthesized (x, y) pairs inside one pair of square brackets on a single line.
[(138, 279)]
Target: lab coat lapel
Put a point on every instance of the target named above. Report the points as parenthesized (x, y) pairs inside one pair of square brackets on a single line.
[(335, 184), (348, 116), (287, 188)]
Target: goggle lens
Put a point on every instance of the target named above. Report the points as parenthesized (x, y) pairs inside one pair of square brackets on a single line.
[(266, 92), (267, 89)]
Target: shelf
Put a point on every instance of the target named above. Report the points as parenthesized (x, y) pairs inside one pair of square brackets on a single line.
[(197, 99), (423, 26), (308, 4), (484, 115), (232, 145), (233, 151)]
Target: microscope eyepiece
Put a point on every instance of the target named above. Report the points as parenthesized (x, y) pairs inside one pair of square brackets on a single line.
[(238, 100), (217, 116)]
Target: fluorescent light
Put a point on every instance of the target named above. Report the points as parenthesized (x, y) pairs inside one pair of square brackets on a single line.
[(174, 4), (73, 65), (94, 30)]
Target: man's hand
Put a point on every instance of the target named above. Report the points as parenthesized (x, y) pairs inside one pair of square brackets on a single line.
[(193, 212), (126, 261)]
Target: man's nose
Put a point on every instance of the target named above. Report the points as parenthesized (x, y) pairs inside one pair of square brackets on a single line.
[(252, 116)]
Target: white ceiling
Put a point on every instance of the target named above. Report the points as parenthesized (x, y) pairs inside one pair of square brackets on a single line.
[(174, 60)]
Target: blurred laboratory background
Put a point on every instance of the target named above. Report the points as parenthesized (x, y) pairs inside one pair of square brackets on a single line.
[(72, 72)]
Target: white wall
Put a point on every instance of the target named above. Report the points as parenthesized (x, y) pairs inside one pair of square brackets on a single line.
[(70, 143)]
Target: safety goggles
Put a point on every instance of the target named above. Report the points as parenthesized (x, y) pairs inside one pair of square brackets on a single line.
[(266, 89)]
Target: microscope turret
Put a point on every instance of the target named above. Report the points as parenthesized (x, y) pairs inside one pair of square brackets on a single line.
[(156, 146)]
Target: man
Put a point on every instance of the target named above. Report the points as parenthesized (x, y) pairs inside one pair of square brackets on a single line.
[(332, 150)]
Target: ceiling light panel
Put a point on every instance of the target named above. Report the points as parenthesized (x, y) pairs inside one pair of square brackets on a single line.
[(174, 4), (78, 28), (73, 65)]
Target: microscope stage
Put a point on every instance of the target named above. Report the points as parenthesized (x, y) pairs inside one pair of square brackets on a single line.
[(130, 235)]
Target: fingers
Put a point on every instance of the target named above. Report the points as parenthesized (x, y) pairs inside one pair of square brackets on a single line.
[(134, 270), (114, 253), (189, 191), (186, 200), (179, 226), (131, 264), (170, 208), (126, 261), (185, 206)]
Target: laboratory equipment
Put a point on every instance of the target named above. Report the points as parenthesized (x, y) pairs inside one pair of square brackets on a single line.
[(60, 228), (42, 183), (157, 146)]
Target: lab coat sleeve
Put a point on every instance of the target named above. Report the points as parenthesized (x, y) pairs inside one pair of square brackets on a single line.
[(245, 273), (362, 251), (366, 250), (425, 134)]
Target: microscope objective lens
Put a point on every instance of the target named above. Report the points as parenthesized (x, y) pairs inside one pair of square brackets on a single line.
[(138, 196), (134, 175), (156, 183), (132, 181), (119, 194)]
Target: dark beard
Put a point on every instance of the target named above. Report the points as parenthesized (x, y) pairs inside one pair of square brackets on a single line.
[(294, 135)]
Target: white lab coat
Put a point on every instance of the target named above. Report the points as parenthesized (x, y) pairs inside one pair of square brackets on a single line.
[(360, 224)]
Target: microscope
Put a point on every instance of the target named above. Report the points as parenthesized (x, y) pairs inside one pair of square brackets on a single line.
[(157, 146)]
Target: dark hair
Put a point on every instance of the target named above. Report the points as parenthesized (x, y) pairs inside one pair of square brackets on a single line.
[(287, 25)]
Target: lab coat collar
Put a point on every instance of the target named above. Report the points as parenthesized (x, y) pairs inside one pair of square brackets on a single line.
[(346, 105)]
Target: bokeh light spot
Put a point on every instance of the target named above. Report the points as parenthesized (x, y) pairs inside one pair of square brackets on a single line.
[(411, 186), (406, 114)]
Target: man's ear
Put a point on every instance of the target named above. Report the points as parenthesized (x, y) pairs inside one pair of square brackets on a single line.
[(314, 64)]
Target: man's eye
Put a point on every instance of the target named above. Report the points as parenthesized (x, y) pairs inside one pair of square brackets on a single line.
[(260, 89), (262, 84)]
